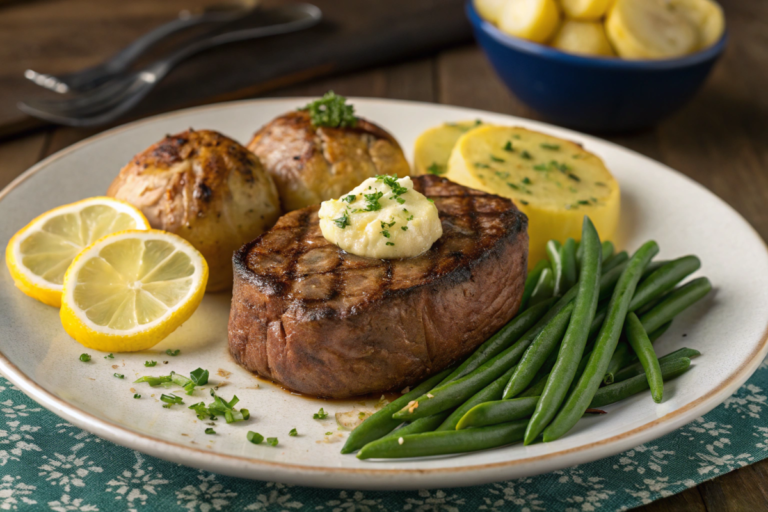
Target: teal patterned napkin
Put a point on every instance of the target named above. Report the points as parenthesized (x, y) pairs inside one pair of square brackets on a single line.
[(47, 464)]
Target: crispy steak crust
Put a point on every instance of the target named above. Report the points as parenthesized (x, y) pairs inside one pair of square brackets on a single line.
[(327, 323)]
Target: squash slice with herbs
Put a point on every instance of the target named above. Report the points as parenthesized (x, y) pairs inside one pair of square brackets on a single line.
[(553, 181)]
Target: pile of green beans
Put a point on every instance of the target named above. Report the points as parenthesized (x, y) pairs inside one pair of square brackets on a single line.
[(542, 371)]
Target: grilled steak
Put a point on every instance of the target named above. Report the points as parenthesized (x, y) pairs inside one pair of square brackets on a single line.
[(327, 323)]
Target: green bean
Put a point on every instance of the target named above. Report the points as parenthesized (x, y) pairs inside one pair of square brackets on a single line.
[(651, 268), (607, 250), (556, 262), (536, 388), (544, 344), (381, 423), (501, 411), (641, 344), (637, 368), (531, 281), (455, 393), (626, 388), (590, 380), (544, 289), (568, 258), (608, 280), (622, 356), (428, 424), (615, 260), (677, 301), (663, 280), (575, 339), (491, 392), (498, 411), (505, 337), (446, 442), (597, 322)]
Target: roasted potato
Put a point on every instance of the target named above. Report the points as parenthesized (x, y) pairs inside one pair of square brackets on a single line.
[(313, 164), (206, 188)]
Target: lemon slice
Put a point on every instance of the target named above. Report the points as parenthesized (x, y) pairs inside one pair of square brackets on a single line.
[(130, 290), (40, 253), (535, 20)]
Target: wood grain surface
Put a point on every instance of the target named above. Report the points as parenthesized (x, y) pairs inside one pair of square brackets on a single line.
[(719, 139)]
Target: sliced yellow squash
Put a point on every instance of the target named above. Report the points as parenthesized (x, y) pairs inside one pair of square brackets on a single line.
[(649, 29), (585, 9), (554, 182), (535, 20), (706, 15), (433, 147), (583, 37)]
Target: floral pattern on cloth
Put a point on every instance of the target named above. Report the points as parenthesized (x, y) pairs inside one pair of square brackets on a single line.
[(47, 464)]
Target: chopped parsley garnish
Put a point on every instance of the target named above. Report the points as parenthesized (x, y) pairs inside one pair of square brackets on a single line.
[(220, 407), (553, 147), (332, 111), (272, 441), (199, 377), (502, 175), (397, 188), (390, 243), (171, 400), (329, 433), (409, 218), (480, 165), (109, 356), (173, 353), (497, 159), (516, 137), (436, 169), (574, 177), (372, 201), (508, 146), (600, 184), (404, 228), (527, 180), (254, 437), (150, 364), (343, 221), (584, 202), (85, 358), (387, 224), (136, 395), (524, 202), (512, 185), (119, 375), (526, 155), (210, 431), (320, 415), (293, 433), (385, 233), (553, 165), (349, 198)]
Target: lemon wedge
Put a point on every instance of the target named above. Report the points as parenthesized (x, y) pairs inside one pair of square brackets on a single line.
[(40, 253), (129, 290)]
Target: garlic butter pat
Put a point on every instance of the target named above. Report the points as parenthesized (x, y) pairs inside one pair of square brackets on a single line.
[(384, 217)]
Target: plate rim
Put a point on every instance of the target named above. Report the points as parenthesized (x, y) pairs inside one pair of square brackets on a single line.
[(185, 454)]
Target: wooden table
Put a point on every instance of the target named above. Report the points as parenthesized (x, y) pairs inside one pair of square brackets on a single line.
[(720, 140)]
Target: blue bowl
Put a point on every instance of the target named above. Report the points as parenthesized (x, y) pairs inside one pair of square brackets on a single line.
[(593, 93)]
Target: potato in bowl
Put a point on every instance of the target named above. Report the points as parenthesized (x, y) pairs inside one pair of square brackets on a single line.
[(205, 187)]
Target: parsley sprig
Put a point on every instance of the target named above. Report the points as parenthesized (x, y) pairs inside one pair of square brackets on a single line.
[(332, 111)]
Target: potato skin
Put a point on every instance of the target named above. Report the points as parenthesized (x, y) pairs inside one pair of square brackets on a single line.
[(313, 164), (206, 188)]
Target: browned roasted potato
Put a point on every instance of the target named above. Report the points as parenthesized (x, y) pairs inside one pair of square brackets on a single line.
[(311, 164), (206, 188)]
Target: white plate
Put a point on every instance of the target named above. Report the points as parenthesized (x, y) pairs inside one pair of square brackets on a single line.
[(728, 327)]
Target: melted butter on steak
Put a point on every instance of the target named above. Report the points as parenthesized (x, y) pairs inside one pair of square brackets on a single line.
[(327, 323)]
